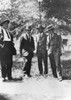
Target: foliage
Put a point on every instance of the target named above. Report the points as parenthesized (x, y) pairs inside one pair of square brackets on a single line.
[(23, 13), (60, 9)]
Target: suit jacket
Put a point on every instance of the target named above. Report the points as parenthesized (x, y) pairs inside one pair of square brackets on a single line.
[(55, 43), (27, 45)]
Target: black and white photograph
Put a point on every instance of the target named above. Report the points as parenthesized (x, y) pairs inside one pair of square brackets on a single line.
[(35, 49)]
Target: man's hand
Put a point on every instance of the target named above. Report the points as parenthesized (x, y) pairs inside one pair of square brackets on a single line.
[(49, 51), (24, 53), (1, 45), (62, 51)]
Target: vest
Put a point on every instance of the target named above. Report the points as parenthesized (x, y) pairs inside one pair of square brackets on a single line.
[(42, 41)]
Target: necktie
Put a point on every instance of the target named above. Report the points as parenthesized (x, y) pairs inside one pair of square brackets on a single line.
[(28, 37)]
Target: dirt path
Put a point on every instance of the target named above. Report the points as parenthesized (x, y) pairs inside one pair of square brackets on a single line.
[(33, 89)]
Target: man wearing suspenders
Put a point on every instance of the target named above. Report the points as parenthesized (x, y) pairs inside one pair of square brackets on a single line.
[(6, 52)]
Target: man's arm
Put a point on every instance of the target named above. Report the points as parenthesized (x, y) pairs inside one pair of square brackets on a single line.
[(1, 38), (21, 45), (33, 44), (47, 42), (61, 45)]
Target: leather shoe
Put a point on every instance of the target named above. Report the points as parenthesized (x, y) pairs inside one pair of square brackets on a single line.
[(10, 78), (29, 75), (4, 80)]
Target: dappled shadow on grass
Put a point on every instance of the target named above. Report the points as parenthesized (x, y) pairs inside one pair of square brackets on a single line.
[(18, 65), (66, 63), (16, 80), (2, 97), (66, 69)]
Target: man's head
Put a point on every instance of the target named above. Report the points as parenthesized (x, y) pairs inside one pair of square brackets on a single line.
[(5, 23), (57, 31), (41, 29), (28, 29), (50, 29)]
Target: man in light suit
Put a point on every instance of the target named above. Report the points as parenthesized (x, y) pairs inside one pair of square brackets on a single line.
[(55, 53)]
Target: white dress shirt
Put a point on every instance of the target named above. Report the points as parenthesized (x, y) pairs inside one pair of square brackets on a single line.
[(6, 34)]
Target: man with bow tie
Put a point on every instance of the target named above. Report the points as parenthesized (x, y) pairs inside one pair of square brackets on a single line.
[(26, 50)]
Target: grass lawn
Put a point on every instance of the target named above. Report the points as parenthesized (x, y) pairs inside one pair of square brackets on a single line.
[(66, 64)]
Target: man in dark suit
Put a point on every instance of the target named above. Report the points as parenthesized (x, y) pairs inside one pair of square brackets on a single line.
[(6, 50), (27, 47)]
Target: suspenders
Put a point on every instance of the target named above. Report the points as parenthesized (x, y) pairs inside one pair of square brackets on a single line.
[(8, 34)]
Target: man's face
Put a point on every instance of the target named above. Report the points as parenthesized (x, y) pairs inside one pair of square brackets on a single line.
[(40, 30), (29, 32), (51, 31), (58, 33)]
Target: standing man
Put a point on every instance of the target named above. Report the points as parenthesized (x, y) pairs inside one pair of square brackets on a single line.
[(41, 51), (7, 50), (55, 53), (26, 50)]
